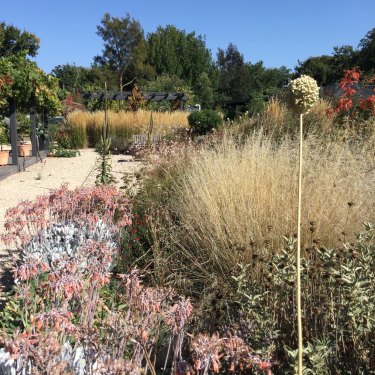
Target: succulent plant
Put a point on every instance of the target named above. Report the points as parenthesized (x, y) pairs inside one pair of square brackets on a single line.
[(60, 242)]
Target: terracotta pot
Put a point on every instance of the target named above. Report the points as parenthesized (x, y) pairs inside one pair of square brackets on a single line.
[(4, 157), (24, 149)]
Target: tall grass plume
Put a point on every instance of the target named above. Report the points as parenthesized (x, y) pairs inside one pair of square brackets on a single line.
[(124, 124)]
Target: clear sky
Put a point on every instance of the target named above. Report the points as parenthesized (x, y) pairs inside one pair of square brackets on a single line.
[(274, 31)]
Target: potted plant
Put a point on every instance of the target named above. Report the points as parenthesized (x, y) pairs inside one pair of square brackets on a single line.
[(23, 130), (4, 141)]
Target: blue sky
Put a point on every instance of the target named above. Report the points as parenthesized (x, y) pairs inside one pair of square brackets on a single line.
[(276, 32)]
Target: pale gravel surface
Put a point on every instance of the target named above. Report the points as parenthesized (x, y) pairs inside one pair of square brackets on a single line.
[(51, 173)]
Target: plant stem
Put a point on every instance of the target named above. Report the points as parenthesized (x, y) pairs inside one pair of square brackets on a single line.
[(105, 128), (299, 311)]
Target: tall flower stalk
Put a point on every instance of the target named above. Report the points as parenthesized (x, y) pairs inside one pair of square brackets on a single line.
[(304, 92), (105, 176)]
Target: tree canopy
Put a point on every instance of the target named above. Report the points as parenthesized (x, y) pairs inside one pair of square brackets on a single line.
[(73, 78), (13, 41), (327, 69), (125, 48), (235, 79), (173, 58), (242, 81), (175, 52), (20, 78), (23, 81), (366, 58)]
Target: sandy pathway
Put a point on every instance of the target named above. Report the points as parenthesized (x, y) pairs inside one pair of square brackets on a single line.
[(50, 174), (41, 177)]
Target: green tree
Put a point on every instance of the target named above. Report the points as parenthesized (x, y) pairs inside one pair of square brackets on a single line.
[(20, 78), (125, 48), (73, 78), (14, 41), (175, 52), (168, 83), (321, 68), (25, 80), (344, 57), (367, 52), (247, 84), (330, 69), (235, 78), (204, 91), (265, 84)]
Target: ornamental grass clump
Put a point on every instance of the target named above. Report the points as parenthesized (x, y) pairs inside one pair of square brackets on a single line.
[(303, 93)]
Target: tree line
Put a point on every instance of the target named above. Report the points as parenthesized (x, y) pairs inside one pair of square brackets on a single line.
[(328, 69), (170, 59)]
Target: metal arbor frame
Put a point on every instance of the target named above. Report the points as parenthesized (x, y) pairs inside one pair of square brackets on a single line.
[(147, 96), (136, 96)]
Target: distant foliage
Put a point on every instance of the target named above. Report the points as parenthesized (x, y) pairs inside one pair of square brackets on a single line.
[(175, 52), (327, 69), (125, 49), (14, 41), (204, 121)]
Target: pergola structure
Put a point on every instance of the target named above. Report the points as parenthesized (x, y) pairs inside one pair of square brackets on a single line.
[(136, 96), (38, 144), (147, 96)]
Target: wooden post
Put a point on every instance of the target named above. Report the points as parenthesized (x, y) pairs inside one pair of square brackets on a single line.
[(46, 125), (13, 131), (34, 151), (43, 140)]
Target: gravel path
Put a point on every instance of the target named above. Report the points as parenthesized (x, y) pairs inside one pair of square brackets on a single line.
[(50, 174)]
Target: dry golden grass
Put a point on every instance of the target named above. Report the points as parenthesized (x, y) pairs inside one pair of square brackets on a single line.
[(317, 119), (274, 117), (275, 110), (234, 199), (277, 120), (125, 123)]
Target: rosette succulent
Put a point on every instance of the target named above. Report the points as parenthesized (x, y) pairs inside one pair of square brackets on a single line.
[(303, 93)]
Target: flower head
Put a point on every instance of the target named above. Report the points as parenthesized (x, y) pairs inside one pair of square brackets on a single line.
[(303, 93)]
